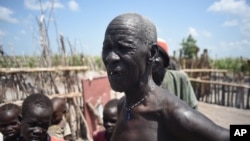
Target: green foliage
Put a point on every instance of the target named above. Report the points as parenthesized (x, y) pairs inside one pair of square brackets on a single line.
[(232, 64), (75, 60), (189, 47), (57, 60), (93, 62), (32, 62)]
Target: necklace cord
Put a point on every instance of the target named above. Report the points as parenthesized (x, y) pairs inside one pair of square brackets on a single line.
[(128, 109)]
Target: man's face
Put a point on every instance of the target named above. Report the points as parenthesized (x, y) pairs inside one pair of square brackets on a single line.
[(10, 124), (124, 57), (35, 125), (158, 63)]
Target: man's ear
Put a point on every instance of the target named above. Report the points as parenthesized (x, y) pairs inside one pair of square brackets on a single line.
[(20, 117), (153, 53)]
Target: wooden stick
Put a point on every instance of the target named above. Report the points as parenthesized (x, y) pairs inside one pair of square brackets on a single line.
[(51, 69), (69, 95), (220, 83), (204, 70)]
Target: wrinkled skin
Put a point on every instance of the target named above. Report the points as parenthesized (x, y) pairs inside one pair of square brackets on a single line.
[(10, 124), (160, 116), (109, 120), (34, 127), (120, 62)]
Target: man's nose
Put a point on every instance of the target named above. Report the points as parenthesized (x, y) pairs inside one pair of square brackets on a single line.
[(112, 57)]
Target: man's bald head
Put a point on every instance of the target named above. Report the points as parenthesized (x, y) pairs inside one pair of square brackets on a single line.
[(135, 25)]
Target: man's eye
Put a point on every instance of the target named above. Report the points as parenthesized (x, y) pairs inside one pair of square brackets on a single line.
[(106, 48)]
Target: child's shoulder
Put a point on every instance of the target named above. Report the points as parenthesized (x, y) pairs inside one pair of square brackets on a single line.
[(55, 139)]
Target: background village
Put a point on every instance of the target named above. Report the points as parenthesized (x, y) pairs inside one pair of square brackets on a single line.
[(82, 79)]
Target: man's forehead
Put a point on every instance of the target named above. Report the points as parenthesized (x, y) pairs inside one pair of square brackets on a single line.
[(121, 31), (120, 40)]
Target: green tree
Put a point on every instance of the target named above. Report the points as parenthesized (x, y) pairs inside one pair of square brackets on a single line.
[(189, 48)]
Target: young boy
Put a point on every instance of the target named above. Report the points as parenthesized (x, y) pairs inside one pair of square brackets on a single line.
[(59, 127), (10, 122), (109, 120), (37, 111)]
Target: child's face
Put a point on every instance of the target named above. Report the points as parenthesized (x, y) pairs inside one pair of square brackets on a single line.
[(35, 125), (109, 120), (10, 124), (59, 111)]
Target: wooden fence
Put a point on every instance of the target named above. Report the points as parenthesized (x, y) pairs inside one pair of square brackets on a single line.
[(220, 87), (17, 83), (212, 86)]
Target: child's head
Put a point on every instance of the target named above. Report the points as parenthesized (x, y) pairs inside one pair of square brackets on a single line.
[(110, 116), (59, 109), (36, 112), (10, 121)]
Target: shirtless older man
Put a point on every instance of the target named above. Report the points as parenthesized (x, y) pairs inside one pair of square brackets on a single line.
[(147, 113)]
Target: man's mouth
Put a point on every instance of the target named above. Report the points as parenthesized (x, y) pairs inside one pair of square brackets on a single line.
[(115, 73)]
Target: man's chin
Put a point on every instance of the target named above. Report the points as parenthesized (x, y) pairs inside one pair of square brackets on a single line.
[(115, 86)]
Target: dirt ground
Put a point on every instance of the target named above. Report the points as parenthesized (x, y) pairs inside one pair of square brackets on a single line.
[(225, 116)]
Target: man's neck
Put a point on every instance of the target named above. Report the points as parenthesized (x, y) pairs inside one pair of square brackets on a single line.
[(138, 92)]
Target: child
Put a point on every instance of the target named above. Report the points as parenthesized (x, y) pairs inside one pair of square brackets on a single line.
[(109, 120), (59, 127), (37, 111), (10, 122)]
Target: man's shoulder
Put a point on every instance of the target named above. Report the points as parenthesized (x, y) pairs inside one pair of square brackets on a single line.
[(165, 96)]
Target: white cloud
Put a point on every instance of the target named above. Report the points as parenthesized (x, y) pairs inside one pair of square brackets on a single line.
[(23, 32), (206, 33), (237, 8), (230, 49), (17, 38), (233, 22), (237, 45), (73, 5), (245, 29), (2, 33), (6, 15), (193, 31), (35, 5)]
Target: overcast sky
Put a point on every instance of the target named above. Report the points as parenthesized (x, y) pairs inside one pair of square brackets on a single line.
[(221, 26)]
